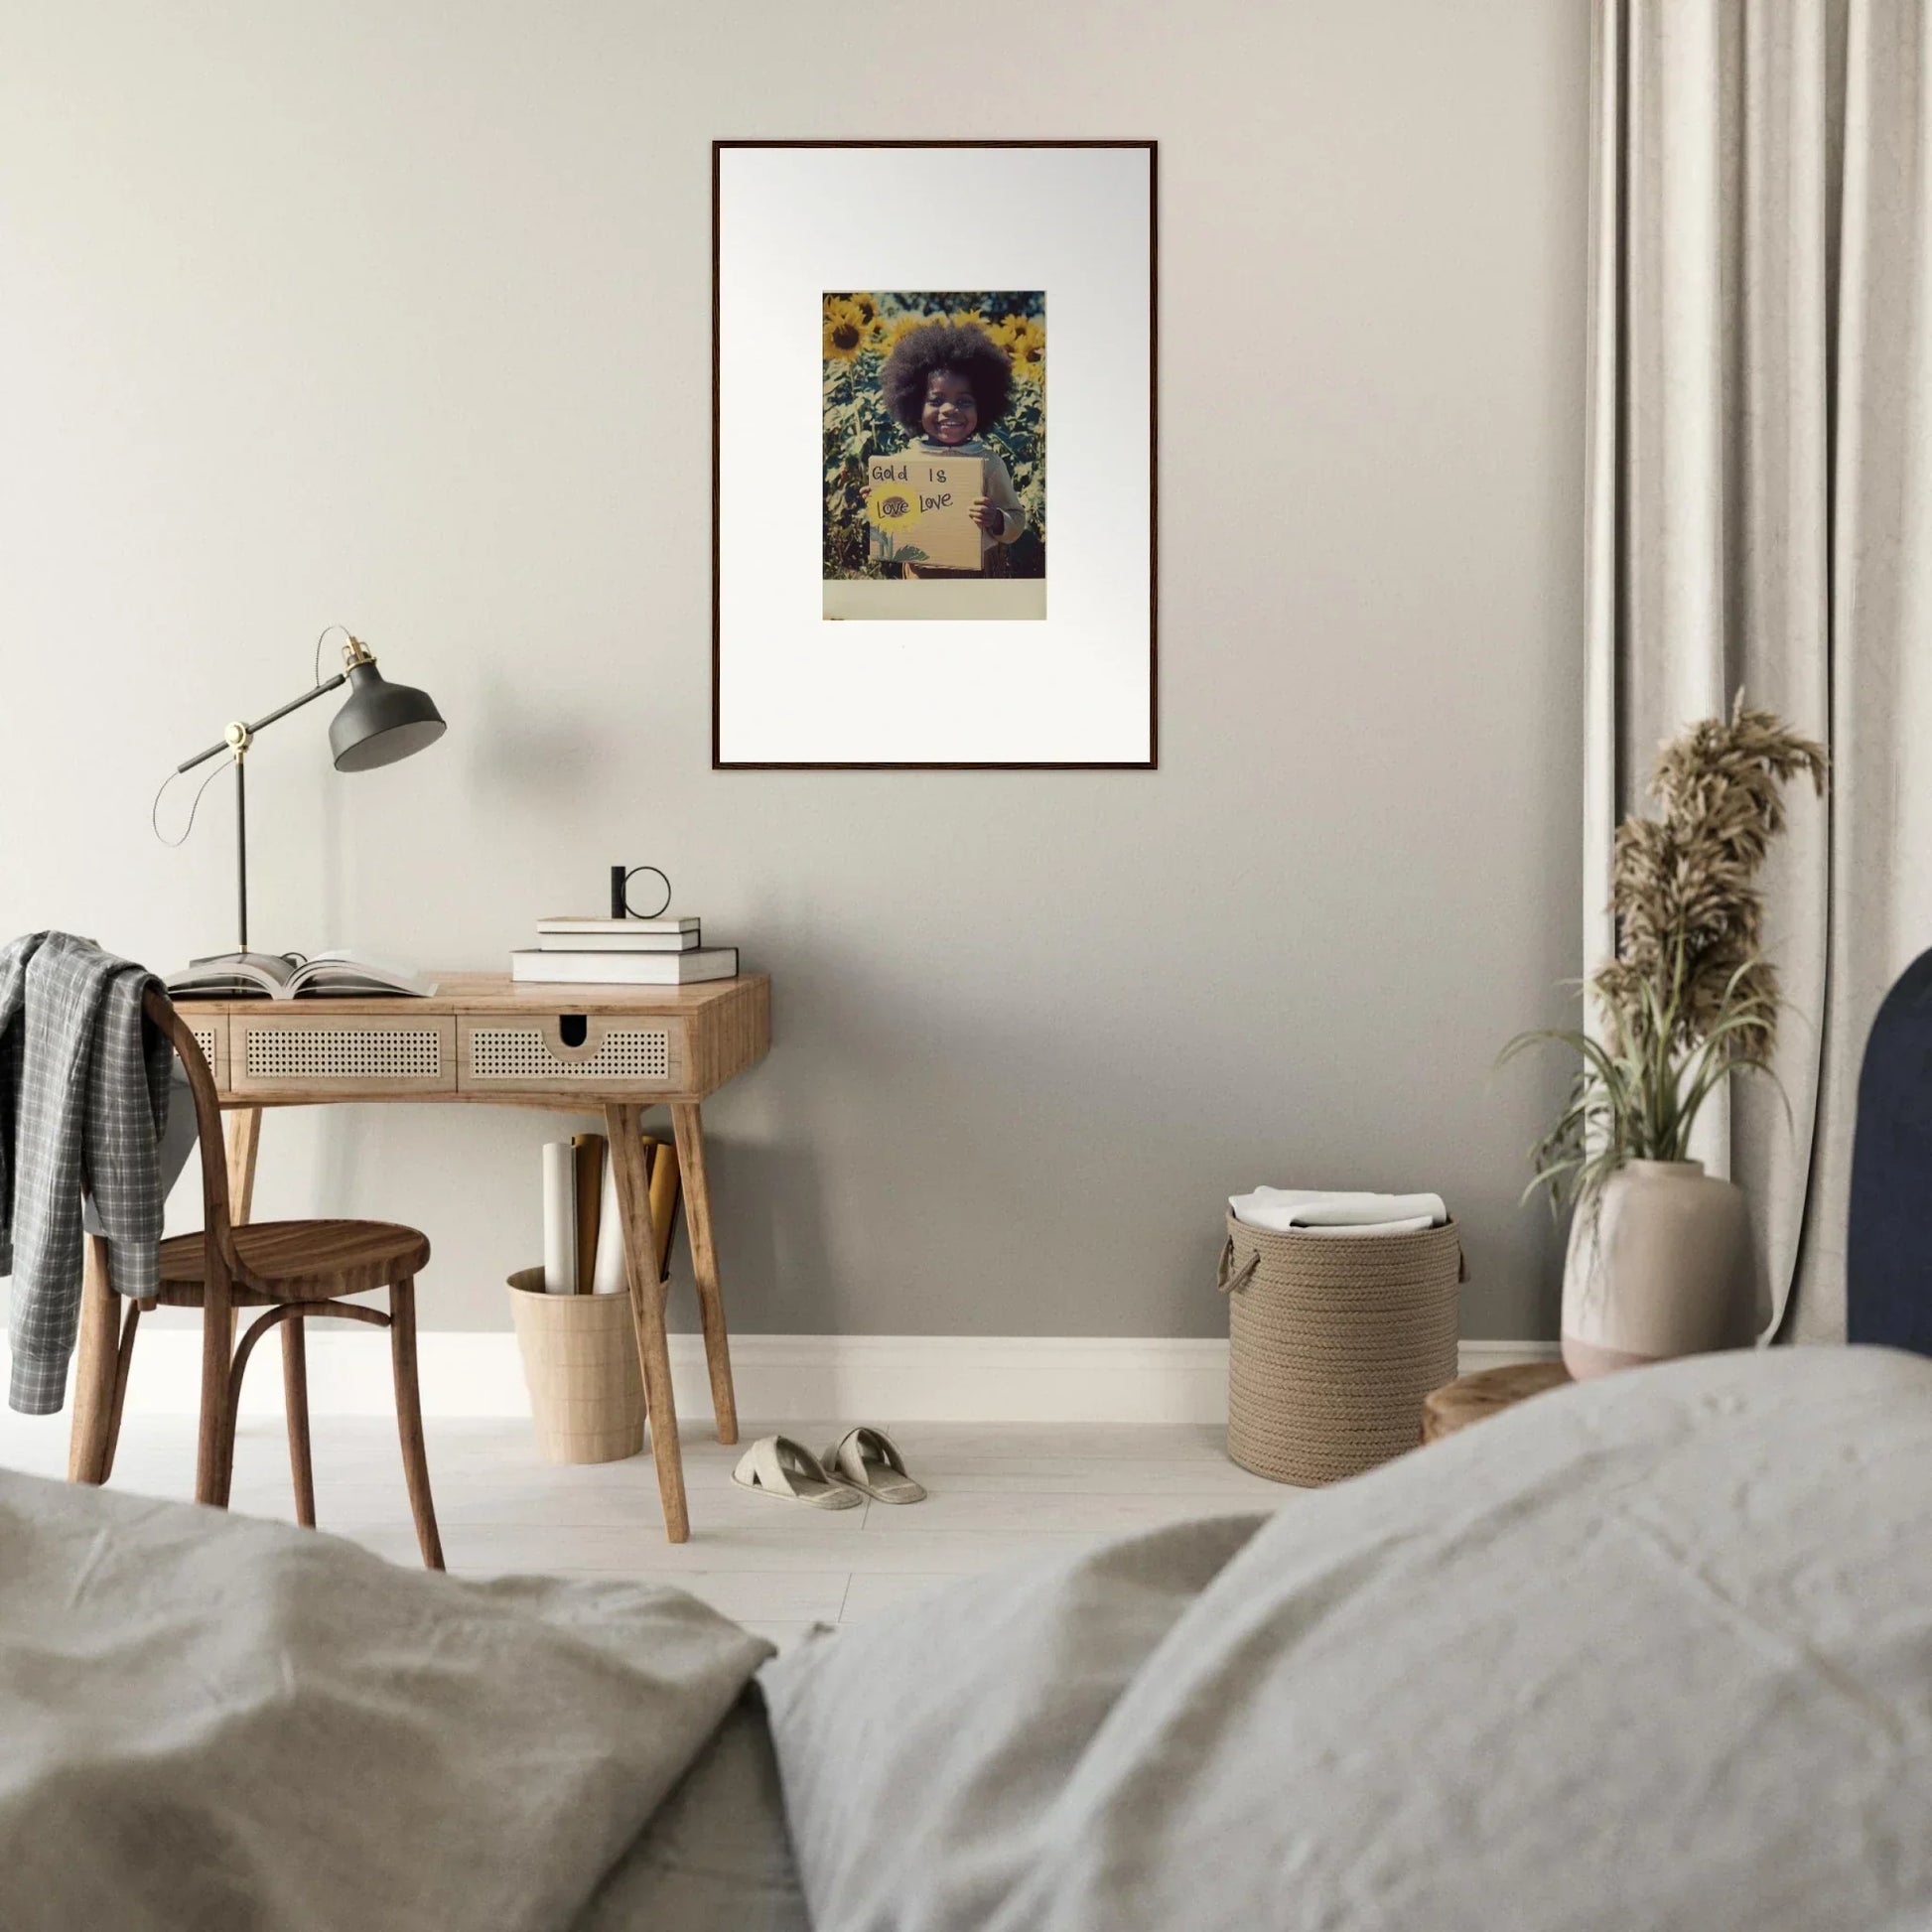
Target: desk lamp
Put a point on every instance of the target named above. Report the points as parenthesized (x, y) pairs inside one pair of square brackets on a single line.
[(378, 724)]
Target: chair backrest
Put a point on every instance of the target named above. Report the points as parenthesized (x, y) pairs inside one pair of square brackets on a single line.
[(217, 1222)]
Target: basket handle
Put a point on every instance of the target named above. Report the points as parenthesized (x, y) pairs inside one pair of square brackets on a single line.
[(1229, 1279)]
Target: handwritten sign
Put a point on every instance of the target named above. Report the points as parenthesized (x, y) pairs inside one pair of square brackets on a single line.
[(919, 509)]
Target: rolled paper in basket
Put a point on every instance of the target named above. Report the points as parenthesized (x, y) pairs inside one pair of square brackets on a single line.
[(559, 1218)]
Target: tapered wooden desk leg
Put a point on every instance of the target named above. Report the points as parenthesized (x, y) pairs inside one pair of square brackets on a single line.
[(123, 1367), (244, 1131), (94, 1371), (625, 1127), (244, 1143), (688, 1126)]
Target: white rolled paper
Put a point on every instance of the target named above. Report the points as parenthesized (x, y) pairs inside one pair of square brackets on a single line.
[(559, 1218)]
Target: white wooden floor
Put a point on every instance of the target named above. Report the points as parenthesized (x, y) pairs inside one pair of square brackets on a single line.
[(997, 1493)]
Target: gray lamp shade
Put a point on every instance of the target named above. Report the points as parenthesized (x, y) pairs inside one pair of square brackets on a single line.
[(382, 722)]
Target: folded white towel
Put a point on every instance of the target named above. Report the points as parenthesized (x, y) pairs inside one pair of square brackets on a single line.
[(1316, 1211)]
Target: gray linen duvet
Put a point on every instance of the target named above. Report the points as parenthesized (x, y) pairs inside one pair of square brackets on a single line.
[(214, 1724), (1654, 1653)]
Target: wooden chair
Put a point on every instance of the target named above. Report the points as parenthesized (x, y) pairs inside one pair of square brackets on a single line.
[(290, 1269)]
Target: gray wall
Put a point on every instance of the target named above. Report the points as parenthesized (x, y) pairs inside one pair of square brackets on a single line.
[(399, 314)]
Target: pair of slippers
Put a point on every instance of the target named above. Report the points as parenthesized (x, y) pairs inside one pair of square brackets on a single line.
[(863, 1462)]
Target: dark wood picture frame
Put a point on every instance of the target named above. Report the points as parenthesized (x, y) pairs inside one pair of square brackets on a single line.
[(1153, 759)]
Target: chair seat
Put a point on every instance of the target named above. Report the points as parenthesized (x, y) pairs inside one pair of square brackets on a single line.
[(299, 1261)]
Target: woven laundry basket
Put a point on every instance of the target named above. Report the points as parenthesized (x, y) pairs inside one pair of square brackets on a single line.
[(1333, 1340)]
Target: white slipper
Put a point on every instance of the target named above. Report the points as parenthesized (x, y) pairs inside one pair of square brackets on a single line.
[(870, 1460), (775, 1466)]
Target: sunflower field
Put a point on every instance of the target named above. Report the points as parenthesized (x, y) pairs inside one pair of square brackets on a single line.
[(858, 332)]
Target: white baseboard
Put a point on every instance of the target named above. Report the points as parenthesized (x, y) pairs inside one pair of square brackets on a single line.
[(779, 1378)]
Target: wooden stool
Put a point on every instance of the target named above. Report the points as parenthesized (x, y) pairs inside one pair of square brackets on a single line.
[(290, 1269), (1486, 1393)]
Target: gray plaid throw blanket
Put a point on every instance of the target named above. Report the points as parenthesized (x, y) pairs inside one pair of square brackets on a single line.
[(82, 1093)]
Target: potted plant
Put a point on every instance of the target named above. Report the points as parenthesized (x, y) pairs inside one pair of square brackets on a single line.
[(1659, 1256)]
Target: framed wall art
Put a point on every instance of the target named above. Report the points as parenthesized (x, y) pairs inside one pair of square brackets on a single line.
[(933, 444)]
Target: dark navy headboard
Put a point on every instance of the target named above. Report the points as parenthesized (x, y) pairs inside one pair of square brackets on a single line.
[(1889, 1245)]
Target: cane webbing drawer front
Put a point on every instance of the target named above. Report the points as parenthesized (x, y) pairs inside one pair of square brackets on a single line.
[(317, 1049), (211, 1032), (558, 1051)]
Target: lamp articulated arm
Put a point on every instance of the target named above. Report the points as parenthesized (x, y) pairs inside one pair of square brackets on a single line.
[(238, 737)]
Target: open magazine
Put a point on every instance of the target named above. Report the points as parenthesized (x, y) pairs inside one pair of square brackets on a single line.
[(291, 976)]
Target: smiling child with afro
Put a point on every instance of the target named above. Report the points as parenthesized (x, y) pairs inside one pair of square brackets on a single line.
[(944, 382), (956, 347)]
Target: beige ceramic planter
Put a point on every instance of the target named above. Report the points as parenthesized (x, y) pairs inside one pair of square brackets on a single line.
[(1659, 1265)]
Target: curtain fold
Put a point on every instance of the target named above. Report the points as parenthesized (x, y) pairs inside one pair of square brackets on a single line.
[(1760, 450)]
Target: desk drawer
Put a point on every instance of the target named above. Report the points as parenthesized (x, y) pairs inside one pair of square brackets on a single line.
[(548, 1052), (211, 1030), (314, 1050)]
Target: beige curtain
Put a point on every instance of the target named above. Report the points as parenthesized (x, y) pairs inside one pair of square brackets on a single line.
[(1759, 513)]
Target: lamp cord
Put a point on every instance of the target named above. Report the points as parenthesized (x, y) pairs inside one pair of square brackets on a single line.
[(316, 675), (154, 810)]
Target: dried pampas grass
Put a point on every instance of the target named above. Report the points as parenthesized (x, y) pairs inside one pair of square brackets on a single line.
[(1690, 997), (1690, 918)]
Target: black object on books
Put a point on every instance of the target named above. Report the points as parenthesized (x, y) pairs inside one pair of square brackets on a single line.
[(621, 877), (624, 968)]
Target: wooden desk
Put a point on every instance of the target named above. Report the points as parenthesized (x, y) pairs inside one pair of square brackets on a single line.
[(483, 1041)]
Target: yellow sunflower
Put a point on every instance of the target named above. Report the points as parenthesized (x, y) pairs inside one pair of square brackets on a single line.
[(965, 318), (1025, 339), (892, 506), (895, 331), (846, 331), (867, 306)]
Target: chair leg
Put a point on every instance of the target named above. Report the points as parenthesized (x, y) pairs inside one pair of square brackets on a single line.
[(409, 1417), (214, 1450), (295, 1399)]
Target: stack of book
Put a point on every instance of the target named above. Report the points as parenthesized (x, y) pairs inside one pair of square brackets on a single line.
[(622, 952)]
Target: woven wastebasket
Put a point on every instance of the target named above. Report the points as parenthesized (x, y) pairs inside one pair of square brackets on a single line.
[(579, 1364), (1333, 1340)]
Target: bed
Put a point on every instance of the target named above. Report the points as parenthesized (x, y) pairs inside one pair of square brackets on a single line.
[(1650, 1652)]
